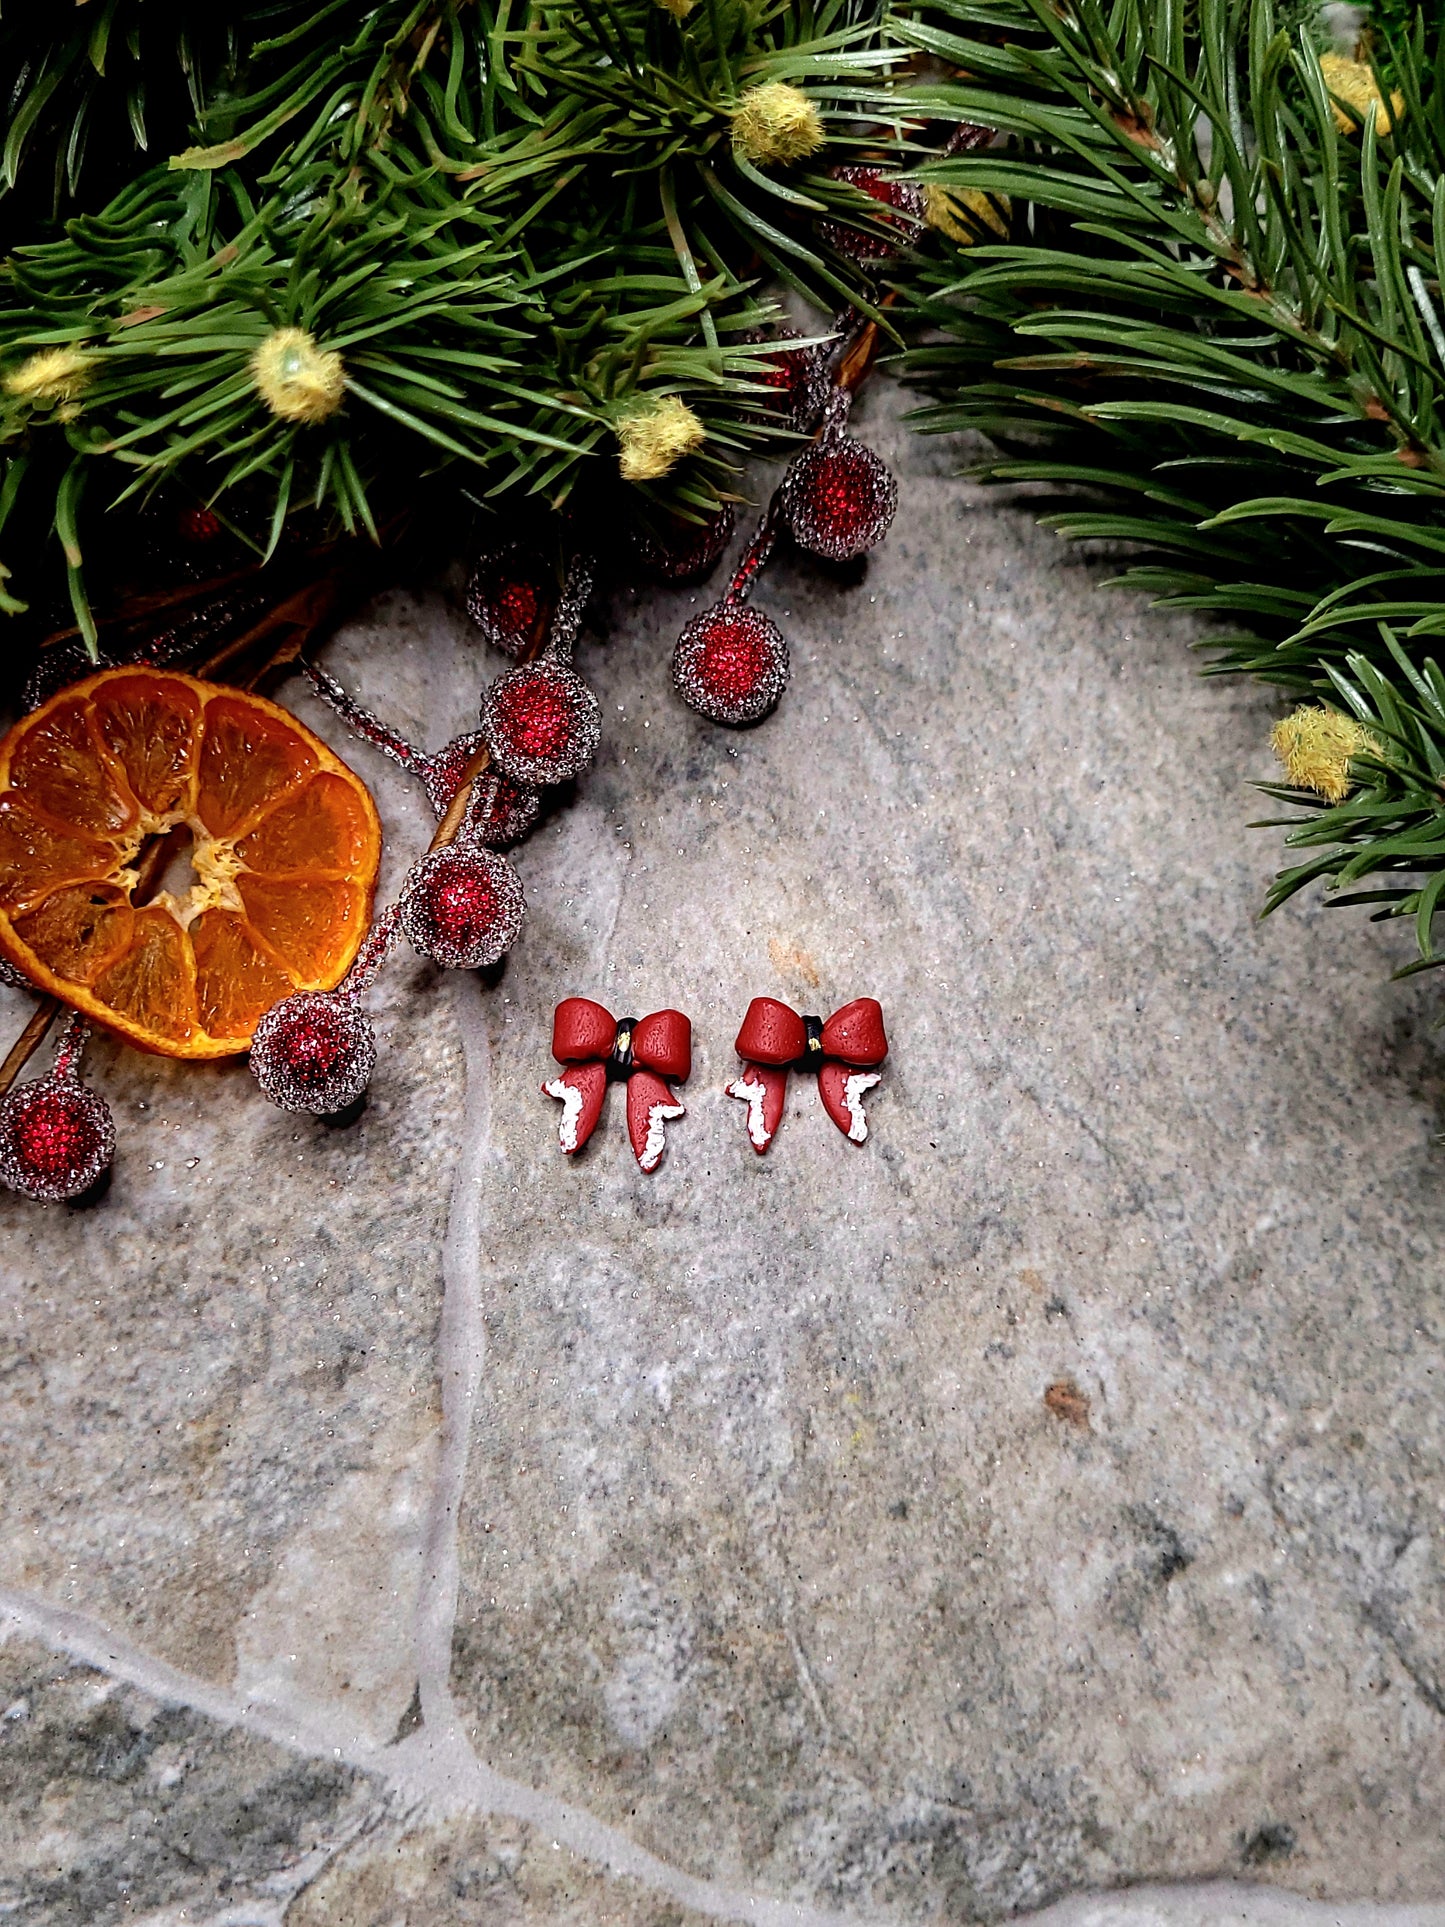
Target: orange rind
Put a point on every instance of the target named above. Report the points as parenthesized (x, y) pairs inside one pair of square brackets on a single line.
[(285, 844)]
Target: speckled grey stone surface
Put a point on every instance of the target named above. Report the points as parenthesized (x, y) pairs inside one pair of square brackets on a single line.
[(1040, 1499)]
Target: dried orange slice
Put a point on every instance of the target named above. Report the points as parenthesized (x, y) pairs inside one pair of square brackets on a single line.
[(284, 852)]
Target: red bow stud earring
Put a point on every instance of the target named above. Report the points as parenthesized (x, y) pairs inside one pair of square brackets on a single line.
[(844, 1052), (596, 1048)]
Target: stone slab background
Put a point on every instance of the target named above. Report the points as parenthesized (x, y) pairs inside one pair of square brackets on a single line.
[(408, 1524)]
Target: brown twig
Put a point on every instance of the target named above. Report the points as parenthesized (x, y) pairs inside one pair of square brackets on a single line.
[(29, 1041), (456, 810), (862, 351)]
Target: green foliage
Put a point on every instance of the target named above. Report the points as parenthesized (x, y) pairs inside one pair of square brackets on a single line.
[(510, 223), (89, 86), (1215, 325), (1392, 823)]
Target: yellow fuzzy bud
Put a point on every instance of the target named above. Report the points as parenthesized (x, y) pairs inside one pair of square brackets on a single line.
[(296, 379), (679, 9), (948, 208), (53, 375), (1354, 82), (776, 122), (1315, 746), (656, 436)]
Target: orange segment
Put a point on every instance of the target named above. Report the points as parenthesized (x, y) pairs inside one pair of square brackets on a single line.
[(236, 983), (34, 857), (322, 826), (152, 983), (306, 923), (79, 929), (285, 847), (149, 727), (248, 759), (60, 771)]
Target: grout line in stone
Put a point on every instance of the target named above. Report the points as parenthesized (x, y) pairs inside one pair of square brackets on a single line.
[(461, 1356), (440, 1764), (447, 1769)]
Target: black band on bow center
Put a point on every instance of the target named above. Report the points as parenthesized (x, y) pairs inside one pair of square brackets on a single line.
[(812, 1056), (619, 1064)]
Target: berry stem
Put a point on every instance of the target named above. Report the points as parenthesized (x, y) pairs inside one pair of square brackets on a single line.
[(360, 721), (375, 948), (459, 808), (567, 618), (74, 1035), (755, 555)]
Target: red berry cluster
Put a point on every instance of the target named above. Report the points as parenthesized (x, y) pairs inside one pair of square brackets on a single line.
[(541, 722), (507, 597), (838, 498), (731, 664), (462, 906), (902, 204), (315, 1051), (56, 1138)]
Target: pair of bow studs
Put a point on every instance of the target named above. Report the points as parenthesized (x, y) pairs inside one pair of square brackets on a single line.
[(652, 1053)]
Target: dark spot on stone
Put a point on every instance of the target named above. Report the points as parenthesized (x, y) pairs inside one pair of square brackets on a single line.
[(1274, 1841), (1165, 1545), (410, 1721), (898, 1509)]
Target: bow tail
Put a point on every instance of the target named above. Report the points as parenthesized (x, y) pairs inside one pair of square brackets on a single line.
[(650, 1104), (764, 1089), (841, 1087), (580, 1090)]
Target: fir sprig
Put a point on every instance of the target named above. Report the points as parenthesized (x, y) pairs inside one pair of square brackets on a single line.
[(1392, 821), (500, 232), (1215, 328)]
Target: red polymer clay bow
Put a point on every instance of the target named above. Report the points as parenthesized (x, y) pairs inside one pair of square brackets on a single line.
[(843, 1051), (596, 1046)]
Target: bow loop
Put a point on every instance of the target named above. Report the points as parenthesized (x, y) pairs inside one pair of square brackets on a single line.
[(854, 1033), (663, 1043), (771, 1033), (582, 1030)]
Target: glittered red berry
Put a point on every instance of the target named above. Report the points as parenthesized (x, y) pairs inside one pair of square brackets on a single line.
[(462, 906), (56, 1139), (198, 524), (442, 772), (903, 209), (314, 1051), (731, 664), (511, 808), (686, 551), (800, 377), (541, 722), (507, 597), (838, 498)]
